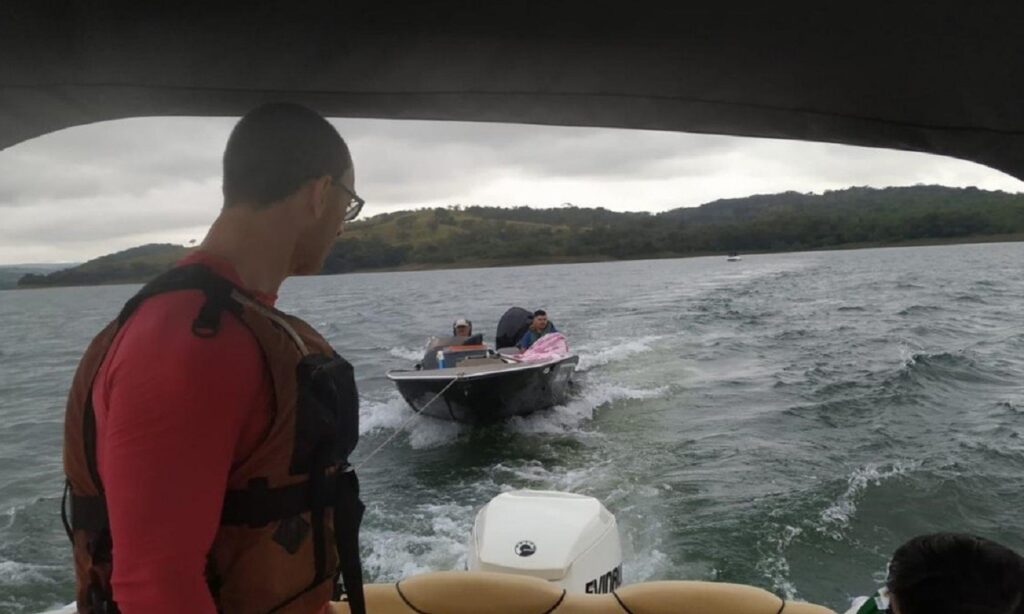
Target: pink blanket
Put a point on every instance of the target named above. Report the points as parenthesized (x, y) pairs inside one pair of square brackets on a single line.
[(552, 345)]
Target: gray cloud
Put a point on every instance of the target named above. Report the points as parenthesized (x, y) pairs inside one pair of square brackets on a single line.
[(112, 158), (89, 190)]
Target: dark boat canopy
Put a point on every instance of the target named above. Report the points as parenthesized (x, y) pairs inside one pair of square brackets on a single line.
[(942, 77)]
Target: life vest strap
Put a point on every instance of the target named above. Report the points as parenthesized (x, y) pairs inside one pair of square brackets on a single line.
[(255, 506), (218, 293), (89, 513), (258, 505)]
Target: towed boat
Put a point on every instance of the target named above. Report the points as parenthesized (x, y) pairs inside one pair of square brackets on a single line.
[(463, 380)]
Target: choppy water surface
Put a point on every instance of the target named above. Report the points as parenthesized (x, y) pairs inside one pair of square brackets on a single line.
[(785, 421)]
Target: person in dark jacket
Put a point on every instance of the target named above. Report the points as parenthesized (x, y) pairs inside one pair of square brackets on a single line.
[(539, 327)]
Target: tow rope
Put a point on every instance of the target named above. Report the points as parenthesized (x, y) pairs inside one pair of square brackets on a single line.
[(416, 414)]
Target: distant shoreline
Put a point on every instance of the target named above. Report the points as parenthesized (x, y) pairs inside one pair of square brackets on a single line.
[(979, 240), (486, 264)]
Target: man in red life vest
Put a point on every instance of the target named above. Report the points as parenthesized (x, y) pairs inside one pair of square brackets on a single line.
[(207, 434)]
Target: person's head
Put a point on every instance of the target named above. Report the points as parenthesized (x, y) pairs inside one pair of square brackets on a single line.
[(952, 573), (284, 155), (462, 328), (540, 320)]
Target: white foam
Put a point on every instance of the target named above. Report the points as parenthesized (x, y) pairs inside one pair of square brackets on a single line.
[(775, 566), (837, 517), (392, 413), (570, 416), (533, 474), (425, 432), (406, 353), (375, 415), (437, 540), (13, 573), (645, 566), (908, 353), (619, 350)]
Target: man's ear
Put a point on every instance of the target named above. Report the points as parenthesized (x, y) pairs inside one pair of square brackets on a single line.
[(318, 195)]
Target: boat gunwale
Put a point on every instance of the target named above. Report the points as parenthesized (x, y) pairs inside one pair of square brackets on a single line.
[(473, 373)]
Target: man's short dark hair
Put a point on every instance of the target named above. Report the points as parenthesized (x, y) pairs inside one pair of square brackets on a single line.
[(539, 312), (276, 148), (953, 573)]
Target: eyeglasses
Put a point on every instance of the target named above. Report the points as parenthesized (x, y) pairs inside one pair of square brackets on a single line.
[(354, 206)]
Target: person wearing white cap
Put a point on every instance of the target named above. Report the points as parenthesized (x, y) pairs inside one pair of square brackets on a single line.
[(462, 328)]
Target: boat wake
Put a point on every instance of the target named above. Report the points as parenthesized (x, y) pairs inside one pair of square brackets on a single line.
[(833, 522), (605, 354), (430, 537), (421, 433), (406, 353), (836, 518), (571, 416), (377, 415)]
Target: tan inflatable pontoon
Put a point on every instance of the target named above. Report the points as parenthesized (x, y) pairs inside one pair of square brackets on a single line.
[(463, 592)]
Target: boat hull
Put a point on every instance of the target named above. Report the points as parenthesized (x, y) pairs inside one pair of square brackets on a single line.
[(483, 398)]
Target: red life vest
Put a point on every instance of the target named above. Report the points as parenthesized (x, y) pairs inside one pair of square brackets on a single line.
[(290, 521)]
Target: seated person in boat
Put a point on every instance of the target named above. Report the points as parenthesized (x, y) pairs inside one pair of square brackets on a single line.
[(539, 326), (462, 334), (949, 573), (462, 328)]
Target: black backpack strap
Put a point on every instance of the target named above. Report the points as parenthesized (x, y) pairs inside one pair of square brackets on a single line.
[(348, 515), (217, 289)]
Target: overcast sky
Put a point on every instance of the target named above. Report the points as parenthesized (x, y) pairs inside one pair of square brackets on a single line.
[(91, 190)]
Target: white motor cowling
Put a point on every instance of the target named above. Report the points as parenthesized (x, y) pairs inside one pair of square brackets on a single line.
[(571, 540)]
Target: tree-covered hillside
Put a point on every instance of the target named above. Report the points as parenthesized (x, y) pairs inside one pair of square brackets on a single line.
[(488, 236)]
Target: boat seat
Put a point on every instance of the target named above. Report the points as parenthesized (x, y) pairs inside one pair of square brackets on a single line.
[(464, 592), (479, 361)]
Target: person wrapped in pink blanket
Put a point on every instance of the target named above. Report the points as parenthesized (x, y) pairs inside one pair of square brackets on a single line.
[(551, 345)]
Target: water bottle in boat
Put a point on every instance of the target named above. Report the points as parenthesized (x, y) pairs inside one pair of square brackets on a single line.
[(440, 359)]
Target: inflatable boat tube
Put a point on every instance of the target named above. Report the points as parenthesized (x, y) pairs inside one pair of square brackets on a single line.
[(464, 592)]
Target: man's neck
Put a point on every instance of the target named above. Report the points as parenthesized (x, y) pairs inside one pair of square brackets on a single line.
[(259, 249)]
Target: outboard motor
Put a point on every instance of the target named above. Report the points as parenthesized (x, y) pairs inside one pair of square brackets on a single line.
[(511, 327), (568, 539)]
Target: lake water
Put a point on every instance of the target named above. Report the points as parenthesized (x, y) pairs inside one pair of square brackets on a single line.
[(785, 421)]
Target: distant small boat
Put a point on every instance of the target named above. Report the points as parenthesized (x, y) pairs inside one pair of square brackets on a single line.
[(733, 257)]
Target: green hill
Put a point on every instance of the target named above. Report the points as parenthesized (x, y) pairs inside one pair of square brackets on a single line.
[(492, 236), (11, 273), (135, 265), (788, 221)]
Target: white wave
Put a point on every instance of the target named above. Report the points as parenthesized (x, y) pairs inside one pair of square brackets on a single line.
[(775, 567), (837, 517), (434, 538), (424, 432), (13, 573), (406, 353), (375, 415), (427, 432), (645, 566), (11, 514), (615, 352), (909, 352), (570, 416), (641, 533), (534, 475), (393, 413)]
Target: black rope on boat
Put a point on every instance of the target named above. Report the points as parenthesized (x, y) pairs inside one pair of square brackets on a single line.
[(622, 603)]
